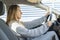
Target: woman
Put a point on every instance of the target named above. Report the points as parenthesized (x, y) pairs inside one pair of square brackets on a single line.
[(13, 20)]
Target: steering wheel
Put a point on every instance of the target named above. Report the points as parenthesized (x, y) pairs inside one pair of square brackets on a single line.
[(49, 17)]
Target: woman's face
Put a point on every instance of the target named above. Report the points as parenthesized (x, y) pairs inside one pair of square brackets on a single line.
[(19, 13)]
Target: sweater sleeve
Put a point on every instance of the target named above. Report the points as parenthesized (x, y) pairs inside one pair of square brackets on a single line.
[(34, 23), (32, 32)]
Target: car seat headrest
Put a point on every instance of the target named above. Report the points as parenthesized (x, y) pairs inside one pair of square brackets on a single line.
[(2, 8)]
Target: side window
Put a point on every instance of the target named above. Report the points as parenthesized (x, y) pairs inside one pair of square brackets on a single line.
[(31, 12)]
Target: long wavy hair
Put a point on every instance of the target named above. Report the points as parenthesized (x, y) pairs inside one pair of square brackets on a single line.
[(11, 13)]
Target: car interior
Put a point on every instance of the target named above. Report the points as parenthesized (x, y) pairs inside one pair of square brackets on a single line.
[(5, 32)]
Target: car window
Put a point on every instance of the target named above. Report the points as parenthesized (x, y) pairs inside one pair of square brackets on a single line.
[(30, 12)]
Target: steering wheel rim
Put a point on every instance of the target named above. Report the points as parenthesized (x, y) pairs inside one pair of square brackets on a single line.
[(49, 18)]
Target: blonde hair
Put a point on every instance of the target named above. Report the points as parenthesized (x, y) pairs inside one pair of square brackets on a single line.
[(11, 13)]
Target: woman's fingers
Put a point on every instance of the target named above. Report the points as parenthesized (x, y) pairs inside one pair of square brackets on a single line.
[(48, 12), (49, 23)]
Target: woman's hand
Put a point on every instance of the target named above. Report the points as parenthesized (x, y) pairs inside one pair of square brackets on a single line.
[(48, 12), (49, 23)]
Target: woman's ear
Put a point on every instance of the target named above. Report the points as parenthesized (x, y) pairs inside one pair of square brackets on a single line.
[(15, 16)]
